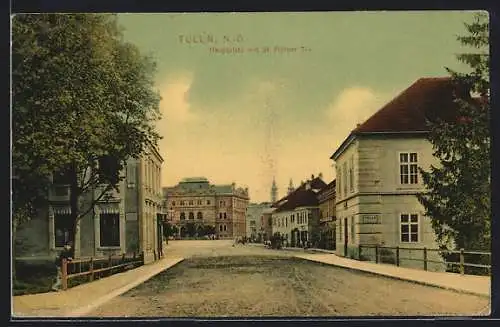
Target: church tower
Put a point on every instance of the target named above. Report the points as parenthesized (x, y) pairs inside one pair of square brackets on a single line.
[(274, 192), (290, 187)]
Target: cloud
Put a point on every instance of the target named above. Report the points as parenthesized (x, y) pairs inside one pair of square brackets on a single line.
[(174, 105), (354, 105)]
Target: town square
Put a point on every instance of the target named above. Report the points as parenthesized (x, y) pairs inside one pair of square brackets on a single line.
[(191, 165)]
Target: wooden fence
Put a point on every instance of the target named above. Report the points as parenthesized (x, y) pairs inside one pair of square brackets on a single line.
[(396, 258), (98, 267)]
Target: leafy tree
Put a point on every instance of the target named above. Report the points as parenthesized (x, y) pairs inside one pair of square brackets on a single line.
[(458, 196), (190, 229), (209, 230), (83, 103), (170, 230)]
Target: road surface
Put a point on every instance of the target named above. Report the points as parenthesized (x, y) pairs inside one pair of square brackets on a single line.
[(219, 280)]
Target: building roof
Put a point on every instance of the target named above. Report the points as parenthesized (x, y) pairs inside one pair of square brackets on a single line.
[(408, 112), (194, 180), (304, 195), (327, 189)]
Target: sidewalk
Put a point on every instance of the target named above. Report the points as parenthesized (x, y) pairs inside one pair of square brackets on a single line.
[(478, 285), (82, 299)]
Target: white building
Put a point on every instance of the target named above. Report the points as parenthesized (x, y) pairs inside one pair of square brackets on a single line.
[(296, 217), (378, 178)]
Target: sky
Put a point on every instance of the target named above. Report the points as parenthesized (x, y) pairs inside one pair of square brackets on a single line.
[(289, 93)]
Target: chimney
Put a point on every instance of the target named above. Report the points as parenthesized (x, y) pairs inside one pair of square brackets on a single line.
[(312, 176), (320, 175)]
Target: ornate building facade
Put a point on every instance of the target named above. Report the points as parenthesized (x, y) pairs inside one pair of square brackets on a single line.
[(198, 208)]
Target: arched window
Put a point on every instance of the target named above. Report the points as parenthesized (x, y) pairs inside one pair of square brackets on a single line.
[(220, 215), (183, 216), (225, 215), (199, 215), (191, 215)]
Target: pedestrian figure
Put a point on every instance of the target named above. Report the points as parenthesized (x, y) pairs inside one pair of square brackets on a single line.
[(66, 253)]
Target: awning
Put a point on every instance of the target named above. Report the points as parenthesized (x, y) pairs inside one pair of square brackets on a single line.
[(108, 209), (62, 210)]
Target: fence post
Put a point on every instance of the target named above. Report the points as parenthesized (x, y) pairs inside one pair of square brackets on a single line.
[(64, 274), (359, 252), (462, 270), (425, 258), (376, 253), (91, 268), (110, 262), (397, 256)]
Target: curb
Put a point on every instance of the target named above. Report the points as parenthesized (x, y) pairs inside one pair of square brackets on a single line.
[(400, 278), (86, 309)]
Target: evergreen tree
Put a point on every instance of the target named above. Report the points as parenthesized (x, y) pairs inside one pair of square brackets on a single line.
[(458, 197)]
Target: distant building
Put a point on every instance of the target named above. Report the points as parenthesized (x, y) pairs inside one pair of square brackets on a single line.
[(378, 174), (327, 218), (267, 223), (197, 208), (296, 216), (255, 220)]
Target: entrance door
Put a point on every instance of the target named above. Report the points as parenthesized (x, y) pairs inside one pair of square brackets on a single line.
[(159, 237), (346, 235)]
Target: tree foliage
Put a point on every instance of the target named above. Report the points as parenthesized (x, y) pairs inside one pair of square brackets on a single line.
[(83, 102), (458, 189)]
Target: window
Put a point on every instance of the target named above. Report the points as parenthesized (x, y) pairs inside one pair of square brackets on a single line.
[(286, 221), (220, 215), (351, 174), (225, 227), (110, 229), (409, 228), (61, 177), (208, 202), (220, 228), (173, 203), (109, 168), (225, 216), (182, 203), (198, 202), (183, 216), (63, 229), (131, 175), (252, 222), (191, 215), (344, 177), (339, 183), (199, 215), (191, 202), (408, 171), (292, 219)]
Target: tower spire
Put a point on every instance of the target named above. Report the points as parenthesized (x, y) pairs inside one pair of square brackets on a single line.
[(274, 191), (290, 187)]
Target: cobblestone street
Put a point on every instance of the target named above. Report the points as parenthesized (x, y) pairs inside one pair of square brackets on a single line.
[(225, 281)]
